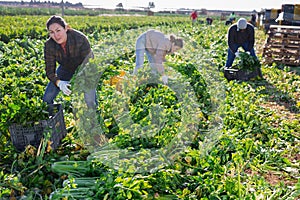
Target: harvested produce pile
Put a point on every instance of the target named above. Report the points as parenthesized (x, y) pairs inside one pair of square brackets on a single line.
[(247, 68)]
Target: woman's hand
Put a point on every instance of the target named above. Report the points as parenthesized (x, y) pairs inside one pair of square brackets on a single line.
[(63, 86), (165, 79)]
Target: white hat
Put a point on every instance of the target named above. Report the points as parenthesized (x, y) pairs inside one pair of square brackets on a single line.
[(242, 23)]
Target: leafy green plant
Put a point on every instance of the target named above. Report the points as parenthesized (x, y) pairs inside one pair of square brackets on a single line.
[(247, 62)]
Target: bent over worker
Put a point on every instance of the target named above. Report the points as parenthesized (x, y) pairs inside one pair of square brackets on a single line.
[(156, 45), (240, 34)]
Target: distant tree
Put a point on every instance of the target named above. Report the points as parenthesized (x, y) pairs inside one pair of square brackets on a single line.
[(119, 6), (151, 5)]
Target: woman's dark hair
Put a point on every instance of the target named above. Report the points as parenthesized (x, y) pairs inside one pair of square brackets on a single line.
[(56, 19)]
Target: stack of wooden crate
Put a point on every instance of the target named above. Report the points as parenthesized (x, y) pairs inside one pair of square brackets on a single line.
[(282, 45)]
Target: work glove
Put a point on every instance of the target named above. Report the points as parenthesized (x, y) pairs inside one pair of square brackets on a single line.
[(248, 52), (63, 86), (165, 79), (237, 54)]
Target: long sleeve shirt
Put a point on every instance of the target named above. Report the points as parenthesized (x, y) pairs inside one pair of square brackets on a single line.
[(77, 49), (241, 36), (158, 45), (194, 15)]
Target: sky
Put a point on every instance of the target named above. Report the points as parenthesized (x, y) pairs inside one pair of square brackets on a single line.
[(237, 5), (242, 5)]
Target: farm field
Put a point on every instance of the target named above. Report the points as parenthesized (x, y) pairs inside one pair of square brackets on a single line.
[(199, 137)]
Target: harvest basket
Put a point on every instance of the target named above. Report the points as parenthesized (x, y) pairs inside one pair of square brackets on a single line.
[(246, 68), (33, 132), (241, 74)]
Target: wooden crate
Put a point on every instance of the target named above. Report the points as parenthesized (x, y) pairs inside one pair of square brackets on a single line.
[(282, 45)]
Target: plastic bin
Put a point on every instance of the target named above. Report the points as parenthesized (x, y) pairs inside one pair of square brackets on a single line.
[(244, 75), (33, 132)]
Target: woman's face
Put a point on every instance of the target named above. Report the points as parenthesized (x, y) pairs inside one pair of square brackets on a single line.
[(58, 33)]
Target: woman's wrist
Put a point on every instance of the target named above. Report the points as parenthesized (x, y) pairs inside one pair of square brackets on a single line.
[(57, 82)]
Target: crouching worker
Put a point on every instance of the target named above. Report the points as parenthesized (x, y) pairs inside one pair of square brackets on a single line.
[(239, 35), (209, 21), (70, 49), (156, 45)]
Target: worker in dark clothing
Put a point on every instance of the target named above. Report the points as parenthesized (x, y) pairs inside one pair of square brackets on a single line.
[(240, 34), (253, 19), (209, 21)]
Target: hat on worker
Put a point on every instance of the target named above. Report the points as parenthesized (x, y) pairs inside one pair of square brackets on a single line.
[(242, 23)]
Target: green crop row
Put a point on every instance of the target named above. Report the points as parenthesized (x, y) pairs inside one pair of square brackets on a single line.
[(34, 27), (33, 11)]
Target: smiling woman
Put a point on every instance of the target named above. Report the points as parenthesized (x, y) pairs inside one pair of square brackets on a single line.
[(70, 49), (58, 28)]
